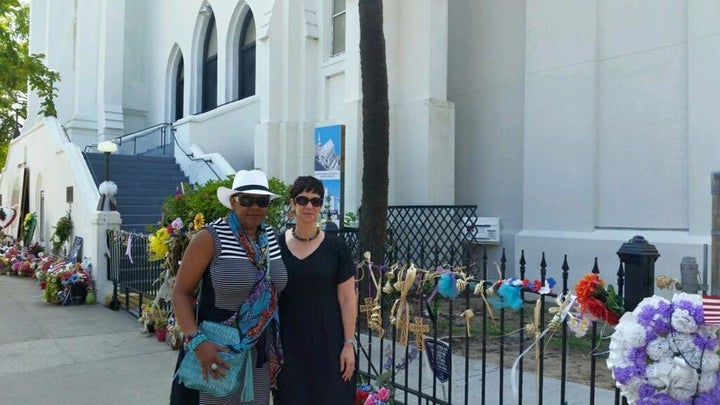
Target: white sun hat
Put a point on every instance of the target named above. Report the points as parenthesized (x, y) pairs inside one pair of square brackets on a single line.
[(248, 182)]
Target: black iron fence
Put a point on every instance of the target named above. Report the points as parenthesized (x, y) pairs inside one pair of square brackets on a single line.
[(132, 274), (472, 352), (469, 348)]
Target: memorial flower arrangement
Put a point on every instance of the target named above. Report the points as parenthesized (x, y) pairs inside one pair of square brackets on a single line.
[(366, 395), (168, 243), (62, 232), (663, 353), (597, 300)]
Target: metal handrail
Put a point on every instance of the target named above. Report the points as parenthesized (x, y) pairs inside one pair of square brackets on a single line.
[(148, 131), (132, 136), (195, 159)]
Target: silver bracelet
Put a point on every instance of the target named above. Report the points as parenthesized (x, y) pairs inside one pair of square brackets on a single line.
[(349, 342)]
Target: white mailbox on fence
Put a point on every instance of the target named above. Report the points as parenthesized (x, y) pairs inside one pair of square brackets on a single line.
[(484, 230)]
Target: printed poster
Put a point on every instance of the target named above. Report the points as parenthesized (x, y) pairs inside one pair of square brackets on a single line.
[(329, 152)]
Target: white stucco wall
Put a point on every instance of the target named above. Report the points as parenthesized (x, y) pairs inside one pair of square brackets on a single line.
[(579, 124)]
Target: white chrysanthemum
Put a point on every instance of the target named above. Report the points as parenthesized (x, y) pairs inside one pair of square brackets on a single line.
[(682, 342), (653, 302), (710, 362), (659, 349), (694, 298), (683, 380), (634, 335), (658, 374), (707, 381), (682, 321), (631, 389)]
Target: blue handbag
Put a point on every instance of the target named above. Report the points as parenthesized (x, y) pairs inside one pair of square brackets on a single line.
[(190, 371)]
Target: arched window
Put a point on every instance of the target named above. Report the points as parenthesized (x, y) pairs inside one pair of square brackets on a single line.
[(209, 74), (246, 67), (179, 89)]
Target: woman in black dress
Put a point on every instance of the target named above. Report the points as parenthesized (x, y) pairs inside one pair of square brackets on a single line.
[(318, 308)]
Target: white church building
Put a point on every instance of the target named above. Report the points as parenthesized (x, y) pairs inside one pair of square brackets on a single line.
[(577, 123)]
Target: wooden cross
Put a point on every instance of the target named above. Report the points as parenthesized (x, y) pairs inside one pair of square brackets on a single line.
[(419, 328), (367, 308)]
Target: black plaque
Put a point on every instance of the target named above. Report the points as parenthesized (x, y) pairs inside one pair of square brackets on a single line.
[(439, 358)]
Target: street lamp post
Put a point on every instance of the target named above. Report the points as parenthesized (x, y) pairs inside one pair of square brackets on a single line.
[(107, 188), (16, 107)]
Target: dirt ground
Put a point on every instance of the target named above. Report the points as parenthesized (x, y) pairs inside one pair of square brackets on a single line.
[(577, 366), (578, 363), (579, 352)]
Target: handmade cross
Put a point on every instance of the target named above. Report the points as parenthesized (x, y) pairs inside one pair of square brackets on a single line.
[(419, 329), (367, 308), (403, 326)]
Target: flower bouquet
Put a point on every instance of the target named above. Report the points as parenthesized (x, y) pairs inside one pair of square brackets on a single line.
[(169, 242), (663, 353), (597, 300), (62, 232), (366, 395)]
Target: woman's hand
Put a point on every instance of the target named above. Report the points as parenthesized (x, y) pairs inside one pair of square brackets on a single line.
[(212, 364), (347, 361)]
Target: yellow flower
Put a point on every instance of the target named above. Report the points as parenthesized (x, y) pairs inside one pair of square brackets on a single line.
[(199, 221), (159, 244)]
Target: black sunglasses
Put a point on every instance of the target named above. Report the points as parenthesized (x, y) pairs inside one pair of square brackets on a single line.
[(315, 201), (247, 201)]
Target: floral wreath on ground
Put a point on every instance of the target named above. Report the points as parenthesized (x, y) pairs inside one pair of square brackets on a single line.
[(663, 353)]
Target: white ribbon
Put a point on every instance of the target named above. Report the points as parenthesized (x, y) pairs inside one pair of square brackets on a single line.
[(514, 371), (129, 248)]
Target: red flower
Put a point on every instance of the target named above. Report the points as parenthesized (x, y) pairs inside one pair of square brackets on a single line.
[(600, 310), (361, 396)]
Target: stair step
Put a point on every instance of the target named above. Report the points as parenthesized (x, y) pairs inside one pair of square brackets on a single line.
[(144, 183), (131, 200)]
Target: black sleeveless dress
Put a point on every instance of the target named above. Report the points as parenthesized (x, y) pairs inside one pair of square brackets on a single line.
[(311, 326)]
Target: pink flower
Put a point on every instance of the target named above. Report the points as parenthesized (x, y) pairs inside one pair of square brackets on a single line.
[(383, 394), (370, 400), (177, 224)]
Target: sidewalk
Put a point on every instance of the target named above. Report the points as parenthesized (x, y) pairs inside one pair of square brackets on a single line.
[(84, 354), (88, 354), (421, 379)]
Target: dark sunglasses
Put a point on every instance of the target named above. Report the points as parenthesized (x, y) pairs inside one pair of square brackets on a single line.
[(247, 201), (315, 201)]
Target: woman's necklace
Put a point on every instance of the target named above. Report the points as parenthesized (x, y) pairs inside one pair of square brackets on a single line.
[(295, 235)]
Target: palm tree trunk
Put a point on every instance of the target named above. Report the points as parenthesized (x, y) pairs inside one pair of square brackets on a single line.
[(376, 129)]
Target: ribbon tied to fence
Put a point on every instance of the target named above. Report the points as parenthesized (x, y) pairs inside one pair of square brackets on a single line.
[(561, 312)]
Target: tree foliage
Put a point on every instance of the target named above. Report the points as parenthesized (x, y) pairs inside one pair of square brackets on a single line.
[(202, 198), (376, 129), (20, 71)]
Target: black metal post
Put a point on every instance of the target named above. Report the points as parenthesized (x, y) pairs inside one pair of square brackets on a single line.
[(639, 258), (107, 166)]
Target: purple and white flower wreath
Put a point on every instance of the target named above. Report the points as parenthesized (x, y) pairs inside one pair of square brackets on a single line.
[(663, 353)]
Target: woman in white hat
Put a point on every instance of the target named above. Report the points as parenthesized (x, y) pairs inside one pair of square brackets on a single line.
[(238, 260)]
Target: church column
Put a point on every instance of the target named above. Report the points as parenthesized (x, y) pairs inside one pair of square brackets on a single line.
[(82, 124), (110, 69), (286, 54), (422, 121)]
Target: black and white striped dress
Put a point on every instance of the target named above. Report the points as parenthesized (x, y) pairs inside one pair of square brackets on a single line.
[(227, 281)]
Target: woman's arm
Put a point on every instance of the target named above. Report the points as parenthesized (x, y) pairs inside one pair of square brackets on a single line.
[(195, 261), (348, 309)]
